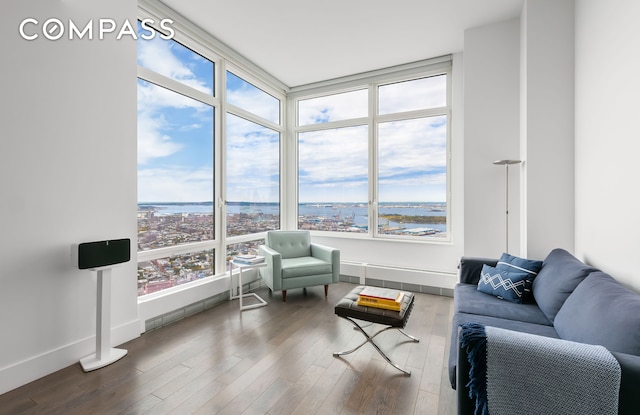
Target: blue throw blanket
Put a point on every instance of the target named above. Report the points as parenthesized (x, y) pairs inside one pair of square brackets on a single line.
[(520, 373)]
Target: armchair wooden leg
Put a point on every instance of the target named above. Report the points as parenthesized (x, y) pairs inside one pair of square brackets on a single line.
[(326, 290), (284, 296)]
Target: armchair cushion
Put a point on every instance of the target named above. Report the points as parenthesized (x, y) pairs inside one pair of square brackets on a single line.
[(304, 266)]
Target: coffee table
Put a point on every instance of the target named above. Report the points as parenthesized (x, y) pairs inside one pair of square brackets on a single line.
[(348, 309)]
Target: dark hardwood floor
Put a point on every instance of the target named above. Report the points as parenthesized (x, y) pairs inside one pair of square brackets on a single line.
[(271, 360)]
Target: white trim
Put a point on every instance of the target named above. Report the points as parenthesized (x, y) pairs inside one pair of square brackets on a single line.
[(433, 278), (251, 117), (176, 250), (35, 367), (177, 297), (176, 86), (398, 72)]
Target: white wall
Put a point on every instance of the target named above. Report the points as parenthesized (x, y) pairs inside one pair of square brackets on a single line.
[(547, 133), (607, 130), (67, 175), (519, 105), (492, 129)]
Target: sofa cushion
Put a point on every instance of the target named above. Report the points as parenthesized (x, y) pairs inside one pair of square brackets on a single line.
[(514, 286), (560, 274), (601, 311), (467, 299), (304, 266), (515, 264)]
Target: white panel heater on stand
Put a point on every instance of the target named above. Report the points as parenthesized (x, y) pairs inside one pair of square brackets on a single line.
[(101, 257)]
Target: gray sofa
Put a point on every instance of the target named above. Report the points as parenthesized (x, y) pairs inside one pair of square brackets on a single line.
[(571, 301)]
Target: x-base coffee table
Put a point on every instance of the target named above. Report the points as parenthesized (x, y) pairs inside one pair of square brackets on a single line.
[(348, 309)]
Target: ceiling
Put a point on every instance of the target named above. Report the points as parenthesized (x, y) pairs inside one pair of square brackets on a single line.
[(301, 42)]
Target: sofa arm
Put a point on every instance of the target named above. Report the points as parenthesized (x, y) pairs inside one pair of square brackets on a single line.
[(272, 273), (629, 384), (465, 404), (469, 268), (558, 362)]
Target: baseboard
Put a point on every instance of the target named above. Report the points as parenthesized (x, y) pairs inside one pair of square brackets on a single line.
[(26, 371), (188, 310), (414, 280)]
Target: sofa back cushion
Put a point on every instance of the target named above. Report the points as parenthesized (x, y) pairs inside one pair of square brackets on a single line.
[(560, 274), (512, 263), (601, 311)]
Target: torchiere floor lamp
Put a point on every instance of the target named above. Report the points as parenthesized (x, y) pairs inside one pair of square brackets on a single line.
[(506, 164)]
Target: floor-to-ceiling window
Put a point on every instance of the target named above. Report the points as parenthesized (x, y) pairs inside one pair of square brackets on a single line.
[(372, 160), (253, 130), (411, 163), (176, 136)]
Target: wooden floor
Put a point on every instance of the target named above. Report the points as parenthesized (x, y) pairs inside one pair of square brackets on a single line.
[(271, 360)]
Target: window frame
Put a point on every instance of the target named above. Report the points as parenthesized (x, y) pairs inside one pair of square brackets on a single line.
[(372, 81), (220, 241), (254, 118), (225, 59), (213, 101)]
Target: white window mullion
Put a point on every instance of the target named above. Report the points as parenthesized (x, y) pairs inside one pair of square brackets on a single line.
[(176, 86), (219, 171), (373, 160)]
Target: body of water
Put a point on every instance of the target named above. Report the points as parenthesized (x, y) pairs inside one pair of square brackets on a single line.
[(356, 213)]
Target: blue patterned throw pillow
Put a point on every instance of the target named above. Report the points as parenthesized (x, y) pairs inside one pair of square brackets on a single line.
[(514, 286), (512, 263)]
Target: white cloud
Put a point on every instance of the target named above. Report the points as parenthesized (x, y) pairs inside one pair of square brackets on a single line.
[(418, 94), (154, 139), (152, 143), (252, 162), (175, 184), (416, 145), (153, 98), (158, 55), (347, 105), (411, 162), (257, 102), (338, 155), (334, 165)]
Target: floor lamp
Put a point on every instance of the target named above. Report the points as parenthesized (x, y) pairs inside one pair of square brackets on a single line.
[(506, 164)]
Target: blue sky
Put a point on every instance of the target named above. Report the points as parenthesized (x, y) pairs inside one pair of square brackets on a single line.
[(175, 145)]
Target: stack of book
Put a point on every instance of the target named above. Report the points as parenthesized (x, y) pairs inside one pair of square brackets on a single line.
[(248, 259), (377, 297)]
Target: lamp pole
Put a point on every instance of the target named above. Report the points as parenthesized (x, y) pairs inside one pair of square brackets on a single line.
[(506, 164)]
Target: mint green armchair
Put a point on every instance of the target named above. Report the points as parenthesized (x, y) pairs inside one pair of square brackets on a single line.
[(294, 262)]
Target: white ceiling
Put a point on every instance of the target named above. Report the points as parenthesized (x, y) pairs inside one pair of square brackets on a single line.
[(301, 42)]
